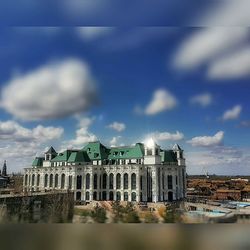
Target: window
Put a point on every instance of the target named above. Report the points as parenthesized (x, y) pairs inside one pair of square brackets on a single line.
[(163, 181), (176, 180), (95, 181), (33, 180), (104, 195), (56, 180), (95, 196), (62, 181), (111, 181), (118, 181), (149, 151), (111, 196), (78, 196), (51, 180), (133, 181), (170, 181), (87, 181), (125, 181), (46, 180), (133, 198), (70, 182), (78, 182), (125, 196), (87, 196), (104, 181), (118, 196), (26, 180)]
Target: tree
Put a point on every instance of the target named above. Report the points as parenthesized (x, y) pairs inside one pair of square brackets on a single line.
[(150, 218), (99, 214)]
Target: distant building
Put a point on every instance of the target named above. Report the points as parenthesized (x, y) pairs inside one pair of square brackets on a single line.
[(4, 171), (141, 173), (4, 180)]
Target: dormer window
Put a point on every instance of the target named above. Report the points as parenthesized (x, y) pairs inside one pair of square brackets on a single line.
[(121, 153)]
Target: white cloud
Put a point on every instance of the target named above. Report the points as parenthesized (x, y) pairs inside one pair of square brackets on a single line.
[(207, 141), (51, 91), (207, 44), (83, 135), (162, 100), (118, 126), (223, 49), (90, 33), (114, 141), (166, 136), (227, 13), (19, 145), (219, 160), (234, 65), (203, 100), (232, 114), (12, 131)]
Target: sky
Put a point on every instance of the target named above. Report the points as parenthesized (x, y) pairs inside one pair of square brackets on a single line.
[(174, 73)]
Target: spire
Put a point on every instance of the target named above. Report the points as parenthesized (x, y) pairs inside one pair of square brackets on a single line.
[(4, 171), (176, 147)]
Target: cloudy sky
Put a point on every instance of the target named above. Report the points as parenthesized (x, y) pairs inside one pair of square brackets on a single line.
[(121, 84)]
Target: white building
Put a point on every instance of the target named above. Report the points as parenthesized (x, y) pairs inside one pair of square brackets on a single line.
[(143, 172)]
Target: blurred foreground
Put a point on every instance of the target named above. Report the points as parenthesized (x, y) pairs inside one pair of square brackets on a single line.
[(114, 237)]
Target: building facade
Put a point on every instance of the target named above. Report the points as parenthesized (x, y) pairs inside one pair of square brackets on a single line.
[(141, 173)]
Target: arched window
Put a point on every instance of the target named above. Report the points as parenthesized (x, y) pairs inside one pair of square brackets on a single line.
[(118, 181), (170, 196), (56, 180), (163, 181), (111, 181), (70, 181), (62, 181), (51, 180), (87, 181), (111, 196), (95, 181), (125, 196), (118, 196), (78, 182), (46, 180), (38, 180), (133, 196), (78, 196), (33, 180), (87, 196), (26, 180), (133, 181), (125, 181), (104, 195), (104, 181), (170, 181)]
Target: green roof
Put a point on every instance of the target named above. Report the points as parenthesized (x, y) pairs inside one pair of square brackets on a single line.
[(168, 156), (132, 152), (96, 151), (38, 162), (80, 156), (51, 150), (64, 156)]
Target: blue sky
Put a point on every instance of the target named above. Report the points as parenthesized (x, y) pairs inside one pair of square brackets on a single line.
[(65, 86)]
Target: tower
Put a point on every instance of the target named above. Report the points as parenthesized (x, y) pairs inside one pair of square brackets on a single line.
[(179, 155), (4, 171), (152, 153), (50, 154)]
